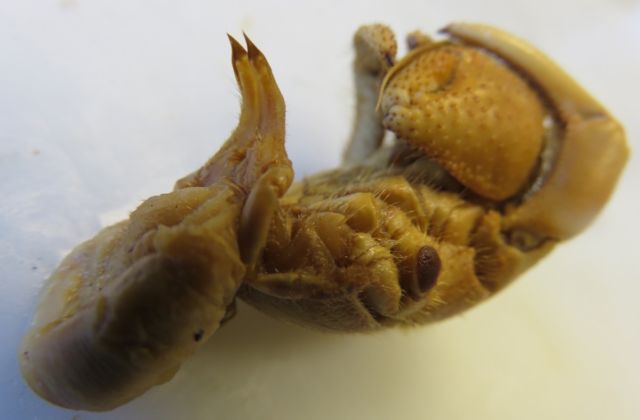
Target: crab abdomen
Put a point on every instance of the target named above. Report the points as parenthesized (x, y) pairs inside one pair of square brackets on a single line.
[(382, 251)]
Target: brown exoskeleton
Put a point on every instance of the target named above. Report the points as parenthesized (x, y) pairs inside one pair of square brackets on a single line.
[(498, 155)]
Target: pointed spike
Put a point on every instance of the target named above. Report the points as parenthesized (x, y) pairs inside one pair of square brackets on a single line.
[(237, 53), (252, 50), (447, 29), (237, 50)]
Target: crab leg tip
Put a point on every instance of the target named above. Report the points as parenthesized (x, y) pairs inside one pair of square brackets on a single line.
[(444, 30), (450, 28), (252, 50), (237, 50)]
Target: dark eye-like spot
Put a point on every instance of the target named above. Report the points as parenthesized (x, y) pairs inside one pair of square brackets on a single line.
[(428, 266), (197, 336)]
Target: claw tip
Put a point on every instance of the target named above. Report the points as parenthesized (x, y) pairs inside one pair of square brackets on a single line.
[(237, 49), (252, 50)]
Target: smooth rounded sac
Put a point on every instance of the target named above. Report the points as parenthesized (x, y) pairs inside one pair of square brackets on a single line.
[(126, 308), (470, 112)]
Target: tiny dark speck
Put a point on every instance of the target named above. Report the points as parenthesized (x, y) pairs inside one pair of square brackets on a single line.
[(428, 266), (388, 58), (412, 42), (35, 267), (197, 336)]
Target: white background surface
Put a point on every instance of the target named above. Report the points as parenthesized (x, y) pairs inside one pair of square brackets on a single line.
[(105, 103)]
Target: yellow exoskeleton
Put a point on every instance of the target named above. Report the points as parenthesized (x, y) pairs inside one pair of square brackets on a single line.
[(497, 156)]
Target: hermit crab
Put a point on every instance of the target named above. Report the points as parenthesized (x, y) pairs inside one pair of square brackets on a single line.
[(496, 155)]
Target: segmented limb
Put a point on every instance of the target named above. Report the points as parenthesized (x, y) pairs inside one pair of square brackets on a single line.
[(257, 144), (254, 158), (376, 49)]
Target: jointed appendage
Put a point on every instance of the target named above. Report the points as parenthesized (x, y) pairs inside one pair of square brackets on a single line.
[(497, 156), (376, 49)]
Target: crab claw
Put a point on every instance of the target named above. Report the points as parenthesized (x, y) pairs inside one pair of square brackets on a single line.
[(466, 110), (126, 308), (486, 123), (592, 149)]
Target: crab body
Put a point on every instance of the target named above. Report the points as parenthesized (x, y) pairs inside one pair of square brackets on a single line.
[(469, 195), (497, 156)]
